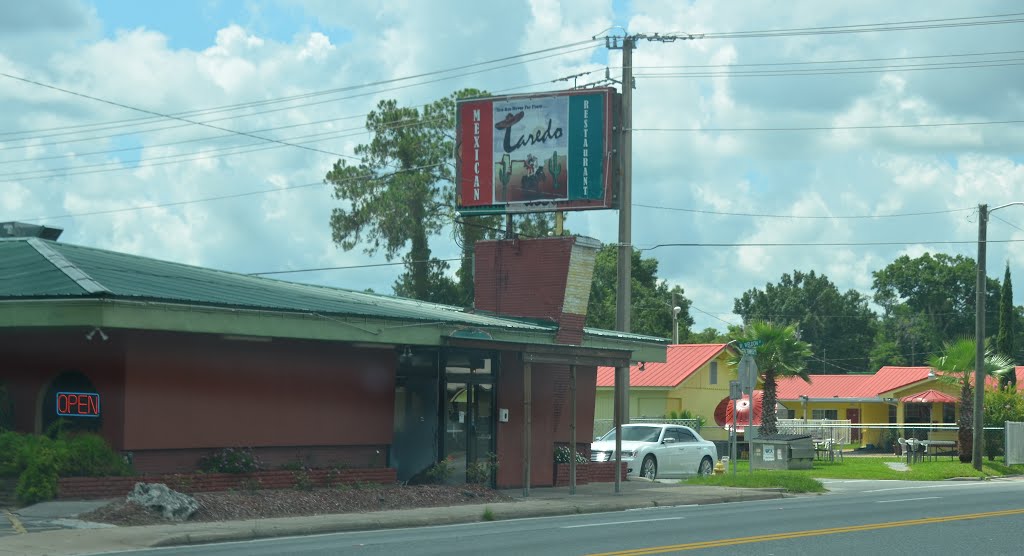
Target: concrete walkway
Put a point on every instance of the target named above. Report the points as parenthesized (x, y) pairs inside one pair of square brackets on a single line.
[(542, 502)]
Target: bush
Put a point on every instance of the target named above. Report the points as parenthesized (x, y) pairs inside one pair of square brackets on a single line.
[(6, 410), (231, 460), (563, 453), (480, 472), (11, 444), (436, 474), (88, 455), (38, 481)]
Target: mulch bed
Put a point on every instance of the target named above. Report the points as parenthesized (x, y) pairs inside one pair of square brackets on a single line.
[(255, 504)]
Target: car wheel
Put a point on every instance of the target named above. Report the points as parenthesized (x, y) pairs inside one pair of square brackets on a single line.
[(649, 469), (706, 467)]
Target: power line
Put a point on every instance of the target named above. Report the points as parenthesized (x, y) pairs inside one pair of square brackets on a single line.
[(920, 24), (828, 244), (169, 116), (231, 107), (216, 198), (1007, 222), (805, 217), (117, 166), (840, 70), (847, 61), (826, 128)]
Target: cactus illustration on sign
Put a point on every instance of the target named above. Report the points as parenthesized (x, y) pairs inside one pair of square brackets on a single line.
[(554, 168), (505, 174)]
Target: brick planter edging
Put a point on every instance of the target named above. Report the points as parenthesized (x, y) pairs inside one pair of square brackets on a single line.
[(591, 472), (191, 483)]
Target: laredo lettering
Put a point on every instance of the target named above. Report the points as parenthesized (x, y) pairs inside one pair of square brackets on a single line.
[(530, 139), (476, 155)]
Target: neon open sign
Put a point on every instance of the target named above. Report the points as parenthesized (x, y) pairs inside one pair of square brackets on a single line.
[(78, 404)]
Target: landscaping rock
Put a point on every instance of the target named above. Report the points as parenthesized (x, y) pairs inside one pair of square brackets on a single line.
[(171, 504)]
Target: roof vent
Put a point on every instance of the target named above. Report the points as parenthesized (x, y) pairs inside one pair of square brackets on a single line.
[(20, 229)]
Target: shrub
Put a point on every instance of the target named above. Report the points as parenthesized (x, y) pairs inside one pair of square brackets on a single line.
[(11, 444), (231, 460), (38, 481), (302, 479), (436, 474), (563, 453), (88, 455), (480, 472)]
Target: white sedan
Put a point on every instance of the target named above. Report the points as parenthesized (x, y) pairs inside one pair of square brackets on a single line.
[(658, 450)]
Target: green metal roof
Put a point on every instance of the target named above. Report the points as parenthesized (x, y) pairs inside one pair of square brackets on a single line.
[(27, 273)]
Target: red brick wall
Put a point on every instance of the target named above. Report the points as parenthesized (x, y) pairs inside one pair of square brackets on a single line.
[(591, 472), (187, 391), (551, 416), (523, 278), (271, 457), (113, 487)]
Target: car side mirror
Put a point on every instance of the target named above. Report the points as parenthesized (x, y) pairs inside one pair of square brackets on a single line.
[(669, 441)]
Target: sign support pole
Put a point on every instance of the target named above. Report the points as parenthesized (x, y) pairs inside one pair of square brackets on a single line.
[(623, 298)]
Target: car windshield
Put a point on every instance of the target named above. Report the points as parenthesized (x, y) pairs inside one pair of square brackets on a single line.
[(636, 434)]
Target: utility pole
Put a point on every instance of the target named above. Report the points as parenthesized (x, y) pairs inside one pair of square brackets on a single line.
[(979, 343), (624, 291)]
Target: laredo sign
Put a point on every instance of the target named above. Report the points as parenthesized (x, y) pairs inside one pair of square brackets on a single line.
[(535, 153)]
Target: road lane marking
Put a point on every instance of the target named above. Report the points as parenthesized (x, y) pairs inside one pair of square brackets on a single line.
[(907, 499), (810, 533), (621, 522), (15, 523), (944, 485)]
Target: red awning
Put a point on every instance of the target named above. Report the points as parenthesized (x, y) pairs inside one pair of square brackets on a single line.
[(929, 396)]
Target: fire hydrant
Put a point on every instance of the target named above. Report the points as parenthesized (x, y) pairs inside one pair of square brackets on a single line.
[(720, 467)]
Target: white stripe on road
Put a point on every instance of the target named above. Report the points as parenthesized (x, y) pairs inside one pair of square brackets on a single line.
[(620, 522), (907, 500)]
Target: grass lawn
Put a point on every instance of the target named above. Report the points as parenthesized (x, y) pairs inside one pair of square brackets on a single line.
[(855, 468)]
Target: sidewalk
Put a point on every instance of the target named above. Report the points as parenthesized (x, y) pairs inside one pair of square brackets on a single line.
[(591, 498)]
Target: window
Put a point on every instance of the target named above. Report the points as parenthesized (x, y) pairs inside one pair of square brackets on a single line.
[(686, 436), (713, 373), (892, 413), (949, 413), (818, 414)]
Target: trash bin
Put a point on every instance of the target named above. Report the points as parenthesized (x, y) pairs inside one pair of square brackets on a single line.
[(782, 451)]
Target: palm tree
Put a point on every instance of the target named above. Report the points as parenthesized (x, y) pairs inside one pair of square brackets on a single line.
[(781, 354), (955, 365)]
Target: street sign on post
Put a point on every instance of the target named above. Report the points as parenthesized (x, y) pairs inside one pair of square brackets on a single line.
[(735, 390), (750, 344), (748, 373)]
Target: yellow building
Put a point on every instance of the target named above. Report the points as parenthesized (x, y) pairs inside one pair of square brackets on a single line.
[(694, 378), (894, 395)]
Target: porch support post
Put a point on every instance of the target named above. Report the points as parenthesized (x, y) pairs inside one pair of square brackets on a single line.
[(527, 422), (572, 429)]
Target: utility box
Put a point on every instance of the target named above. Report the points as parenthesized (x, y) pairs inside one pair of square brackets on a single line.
[(782, 451)]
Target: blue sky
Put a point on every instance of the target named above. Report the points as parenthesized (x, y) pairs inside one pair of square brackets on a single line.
[(192, 24)]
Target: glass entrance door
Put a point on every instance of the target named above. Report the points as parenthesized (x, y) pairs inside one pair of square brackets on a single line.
[(469, 416)]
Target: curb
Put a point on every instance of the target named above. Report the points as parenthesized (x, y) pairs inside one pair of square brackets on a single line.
[(500, 513)]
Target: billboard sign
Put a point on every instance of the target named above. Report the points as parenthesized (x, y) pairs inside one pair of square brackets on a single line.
[(535, 153)]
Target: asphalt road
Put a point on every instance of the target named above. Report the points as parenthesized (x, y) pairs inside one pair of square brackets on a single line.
[(859, 517)]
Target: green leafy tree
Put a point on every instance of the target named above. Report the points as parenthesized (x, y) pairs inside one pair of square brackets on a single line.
[(931, 296), (399, 193), (1000, 406), (708, 336), (840, 326), (1007, 336), (781, 354), (651, 298), (955, 365)]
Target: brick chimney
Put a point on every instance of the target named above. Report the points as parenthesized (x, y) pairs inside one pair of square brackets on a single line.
[(545, 278)]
